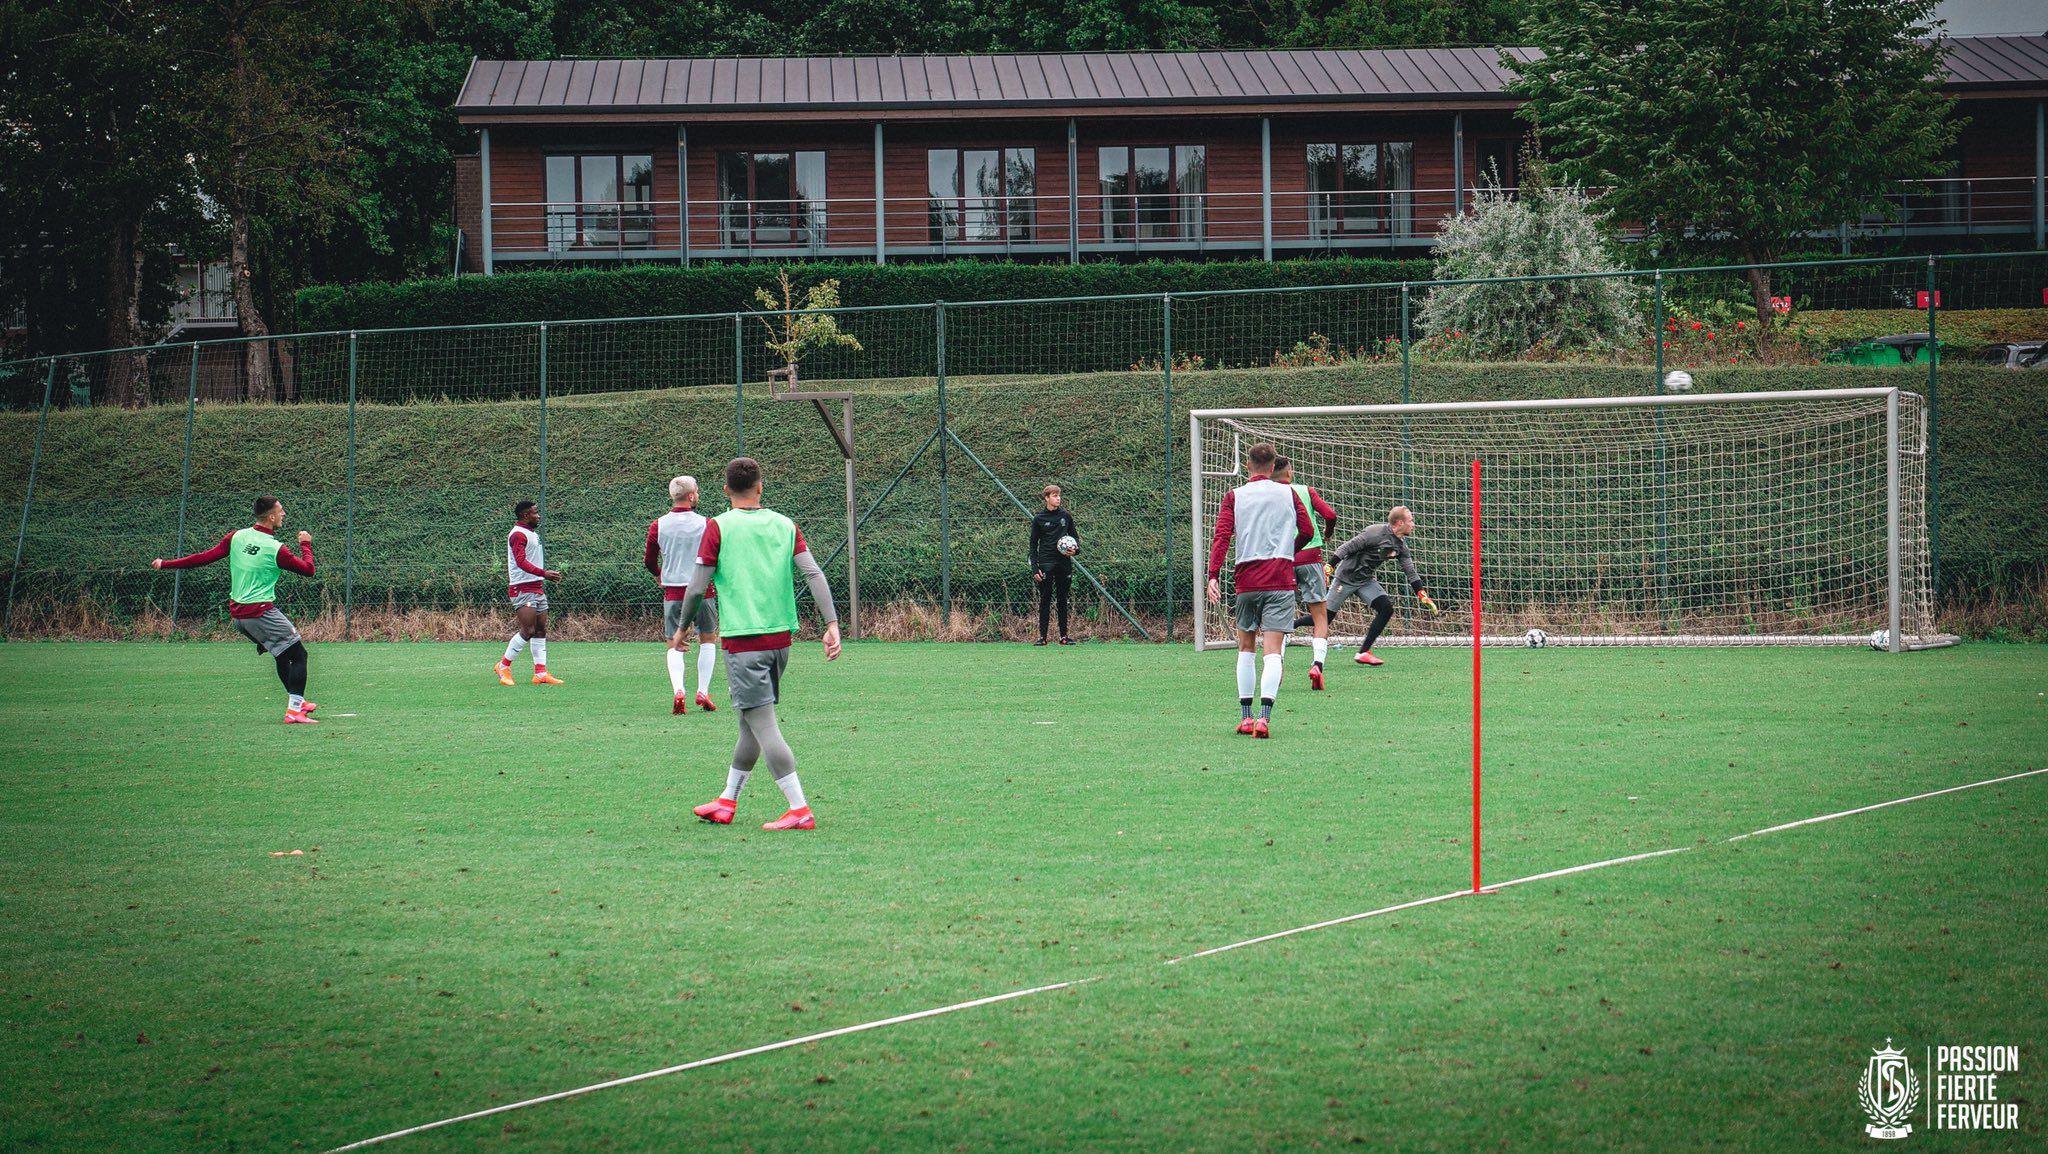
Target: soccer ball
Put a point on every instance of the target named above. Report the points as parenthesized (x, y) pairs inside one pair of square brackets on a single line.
[(1067, 546), (1536, 639), (1677, 381), (1881, 639)]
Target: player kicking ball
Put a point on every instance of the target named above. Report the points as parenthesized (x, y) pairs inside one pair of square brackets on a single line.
[(255, 557), (1266, 525), (1358, 559), (671, 553), (751, 555), (526, 569), (1311, 583)]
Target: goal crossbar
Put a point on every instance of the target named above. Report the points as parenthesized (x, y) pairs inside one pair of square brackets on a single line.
[(1788, 517)]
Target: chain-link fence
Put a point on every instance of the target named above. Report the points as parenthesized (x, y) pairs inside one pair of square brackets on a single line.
[(403, 450)]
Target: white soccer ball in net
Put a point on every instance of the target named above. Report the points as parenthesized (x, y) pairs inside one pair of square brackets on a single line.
[(1536, 639), (1067, 546), (1881, 639), (1677, 381)]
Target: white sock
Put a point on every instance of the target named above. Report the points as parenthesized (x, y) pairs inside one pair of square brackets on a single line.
[(791, 789), (707, 660), (1247, 673), (1321, 645), (678, 671), (735, 780), (512, 650), (540, 653), (297, 702), (1269, 685)]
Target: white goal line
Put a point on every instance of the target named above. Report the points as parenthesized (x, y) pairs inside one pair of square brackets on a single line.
[(1013, 995)]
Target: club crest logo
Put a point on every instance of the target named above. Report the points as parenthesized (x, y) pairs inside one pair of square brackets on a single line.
[(1889, 1091)]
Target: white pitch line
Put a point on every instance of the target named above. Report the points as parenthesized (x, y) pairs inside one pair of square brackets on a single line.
[(702, 1062), (1883, 804), (1013, 994), (1577, 869)]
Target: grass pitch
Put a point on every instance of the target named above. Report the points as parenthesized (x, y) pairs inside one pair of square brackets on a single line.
[(503, 895)]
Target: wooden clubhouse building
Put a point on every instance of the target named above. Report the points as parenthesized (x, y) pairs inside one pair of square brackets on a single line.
[(1079, 156)]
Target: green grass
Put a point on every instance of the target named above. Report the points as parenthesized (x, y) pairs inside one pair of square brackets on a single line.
[(504, 895)]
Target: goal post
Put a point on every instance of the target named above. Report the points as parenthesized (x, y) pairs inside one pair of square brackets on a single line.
[(1767, 518)]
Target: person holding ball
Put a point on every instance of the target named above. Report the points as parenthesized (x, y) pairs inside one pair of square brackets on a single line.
[(1054, 542)]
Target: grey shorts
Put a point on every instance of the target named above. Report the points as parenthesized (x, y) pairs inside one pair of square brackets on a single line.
[(753, 680), (1309, 584), (705, 622), (273, 631), (1266, 611), (1369, 592), (538, 602)]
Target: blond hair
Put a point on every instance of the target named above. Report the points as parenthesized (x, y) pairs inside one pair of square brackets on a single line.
[(681, 487), (1399, 513)]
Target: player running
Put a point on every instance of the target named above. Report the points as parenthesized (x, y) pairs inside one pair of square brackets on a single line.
[(1311, 585), (255, 557), (1356, 562), (1266, 524), (672, 541), (750, 554), (526, 570)]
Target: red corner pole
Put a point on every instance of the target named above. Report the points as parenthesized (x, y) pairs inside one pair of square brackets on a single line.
[(1475, 677)]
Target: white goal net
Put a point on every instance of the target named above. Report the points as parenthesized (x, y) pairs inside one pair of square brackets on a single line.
[(1785, 518)]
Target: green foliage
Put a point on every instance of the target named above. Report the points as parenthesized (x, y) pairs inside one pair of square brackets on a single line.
[(666, 290), (794, 329), (1547, 229), (1757, 121)]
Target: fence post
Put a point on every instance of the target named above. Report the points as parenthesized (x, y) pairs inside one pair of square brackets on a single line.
[(1933, 441), (348, 537), (945, 506), (1407, 395), (543, 498), (35, 460), (185, 480), (739, 390), (1657, 326), (1166, 490)]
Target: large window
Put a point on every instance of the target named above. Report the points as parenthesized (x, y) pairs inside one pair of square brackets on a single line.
[(1361, 188), (600, 200), (772, 197), (1154, 192), (982, 194)]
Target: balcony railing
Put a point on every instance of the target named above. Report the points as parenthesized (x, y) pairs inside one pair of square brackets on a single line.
[(1097, 224)]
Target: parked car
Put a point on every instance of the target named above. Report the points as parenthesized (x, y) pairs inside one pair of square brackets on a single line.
[(2016, 355)]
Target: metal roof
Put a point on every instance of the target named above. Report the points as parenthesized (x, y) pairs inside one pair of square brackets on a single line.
[(880, 84)]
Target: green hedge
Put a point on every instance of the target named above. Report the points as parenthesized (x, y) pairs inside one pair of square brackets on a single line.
[(667, 290)]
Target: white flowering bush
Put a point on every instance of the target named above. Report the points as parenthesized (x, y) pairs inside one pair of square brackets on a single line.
[(1543, 230)]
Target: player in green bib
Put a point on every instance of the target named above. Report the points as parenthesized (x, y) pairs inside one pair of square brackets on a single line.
[(753, 556), (255, 558), (1311, 580)]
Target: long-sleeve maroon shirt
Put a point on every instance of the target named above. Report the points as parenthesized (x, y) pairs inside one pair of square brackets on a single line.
[(1255, 576), (300, 563)]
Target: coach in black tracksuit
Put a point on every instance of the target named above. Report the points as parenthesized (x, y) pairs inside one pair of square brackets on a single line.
[(1053, 571)]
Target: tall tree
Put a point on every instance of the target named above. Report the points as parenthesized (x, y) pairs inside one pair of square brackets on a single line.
[(1745, 123)]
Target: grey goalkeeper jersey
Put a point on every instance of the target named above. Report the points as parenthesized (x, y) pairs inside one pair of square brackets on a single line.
[(1360, 557)]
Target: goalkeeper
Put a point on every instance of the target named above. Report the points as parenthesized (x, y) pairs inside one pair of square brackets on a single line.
[(1355, 564)]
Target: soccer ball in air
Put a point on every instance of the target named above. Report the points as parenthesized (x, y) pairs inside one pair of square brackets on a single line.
[(1881, 639), (1677, 381), (1536, 639), (1067, 546)]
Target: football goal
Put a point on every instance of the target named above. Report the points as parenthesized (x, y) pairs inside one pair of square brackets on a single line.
[(1773, 518)]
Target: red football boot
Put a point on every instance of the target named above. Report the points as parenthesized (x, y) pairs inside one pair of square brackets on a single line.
[(717, 812), (1315, 677), (1260, 729), (794, 819), (704, 703), (1367, 658), (308, 707), (1245, 726), (681, 706)]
